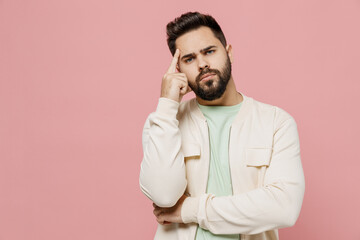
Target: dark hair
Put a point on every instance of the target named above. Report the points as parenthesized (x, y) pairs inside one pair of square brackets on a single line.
[(191, 21)]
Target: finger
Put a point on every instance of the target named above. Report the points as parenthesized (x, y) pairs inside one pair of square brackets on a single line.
[(163, 222), (184, 86), (165, 218), (160, 222), (186, 90), (183, 90), (174, 61), (160, 219), (157, 212), (183, 79)]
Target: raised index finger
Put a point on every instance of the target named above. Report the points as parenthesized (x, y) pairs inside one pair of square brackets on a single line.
[(174, 61)]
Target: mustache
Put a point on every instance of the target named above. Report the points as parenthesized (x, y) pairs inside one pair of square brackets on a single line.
[(207, 70)]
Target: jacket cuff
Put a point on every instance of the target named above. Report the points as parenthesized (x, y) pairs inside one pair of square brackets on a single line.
[(167, 107), (189, 209)]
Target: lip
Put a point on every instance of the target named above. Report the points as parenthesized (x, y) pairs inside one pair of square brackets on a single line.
[(207, 76)]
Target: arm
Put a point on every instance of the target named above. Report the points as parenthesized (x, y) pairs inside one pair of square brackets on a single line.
[(162, 174), (276, 205)]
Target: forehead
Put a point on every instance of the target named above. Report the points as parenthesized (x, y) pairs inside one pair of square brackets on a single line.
[(195, 40)]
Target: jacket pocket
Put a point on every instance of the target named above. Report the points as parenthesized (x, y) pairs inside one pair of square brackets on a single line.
[(257, 160)]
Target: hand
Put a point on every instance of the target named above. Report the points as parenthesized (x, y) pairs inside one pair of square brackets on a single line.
[(174, 84), (170, 215)]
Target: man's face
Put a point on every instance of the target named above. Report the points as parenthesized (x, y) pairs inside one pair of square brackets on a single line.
[(202, 53)]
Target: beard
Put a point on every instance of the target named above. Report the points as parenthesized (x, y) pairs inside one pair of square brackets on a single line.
[(210, 90)]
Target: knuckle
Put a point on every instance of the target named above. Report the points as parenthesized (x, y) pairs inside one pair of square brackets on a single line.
[(168, 77)]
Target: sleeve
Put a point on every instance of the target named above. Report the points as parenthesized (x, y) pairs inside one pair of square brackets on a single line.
[(162, 174), (275, 205)]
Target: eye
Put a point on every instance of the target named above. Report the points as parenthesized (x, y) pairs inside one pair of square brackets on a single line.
[(187, 60), (210, 51)]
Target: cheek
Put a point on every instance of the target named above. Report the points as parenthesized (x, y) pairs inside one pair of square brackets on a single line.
[(191, 74)]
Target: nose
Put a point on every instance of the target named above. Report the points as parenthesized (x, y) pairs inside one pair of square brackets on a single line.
[(202, 64)]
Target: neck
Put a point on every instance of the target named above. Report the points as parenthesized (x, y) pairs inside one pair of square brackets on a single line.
[(229, 98)]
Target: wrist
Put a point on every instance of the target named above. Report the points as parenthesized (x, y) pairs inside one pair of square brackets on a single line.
[(170, 97)]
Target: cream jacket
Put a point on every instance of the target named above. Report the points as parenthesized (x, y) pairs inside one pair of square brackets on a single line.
[(265, 166)]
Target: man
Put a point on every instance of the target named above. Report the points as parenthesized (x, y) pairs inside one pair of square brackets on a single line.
[(221, 165)]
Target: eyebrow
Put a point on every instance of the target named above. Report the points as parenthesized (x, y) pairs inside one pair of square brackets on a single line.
[(202, 50)]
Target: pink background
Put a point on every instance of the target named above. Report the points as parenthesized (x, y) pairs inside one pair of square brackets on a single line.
[(79, 77)]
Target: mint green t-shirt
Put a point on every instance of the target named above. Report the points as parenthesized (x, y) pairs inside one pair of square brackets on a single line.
[(219, 119)]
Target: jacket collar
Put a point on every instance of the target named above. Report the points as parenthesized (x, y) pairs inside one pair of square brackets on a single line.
[(241, 115)]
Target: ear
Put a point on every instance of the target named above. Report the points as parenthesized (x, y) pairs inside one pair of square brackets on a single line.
[(229, 52)]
